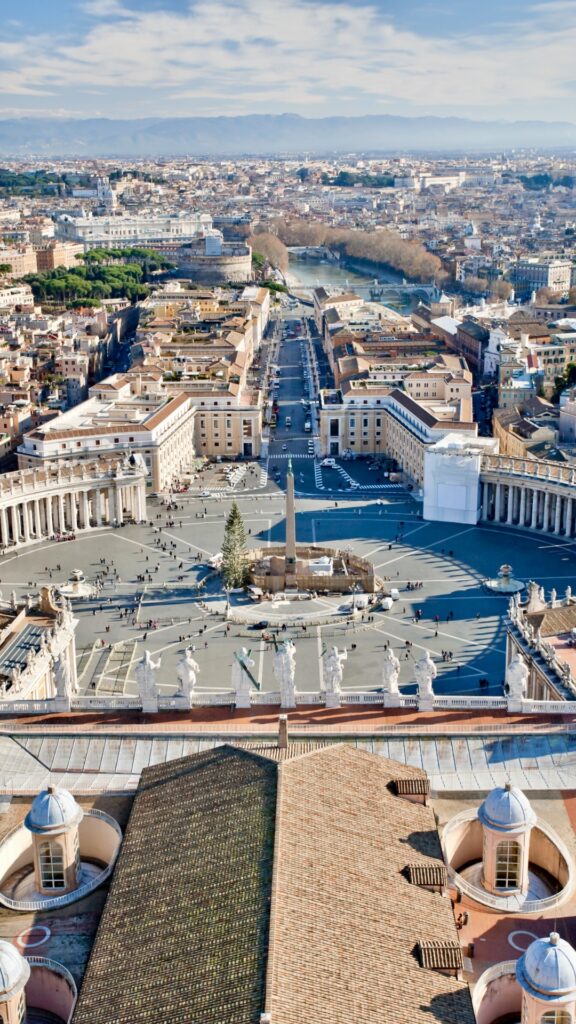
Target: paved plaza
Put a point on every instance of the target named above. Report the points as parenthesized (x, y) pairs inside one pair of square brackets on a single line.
[(451, 561)]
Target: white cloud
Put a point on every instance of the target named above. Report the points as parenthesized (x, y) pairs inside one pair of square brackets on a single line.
[(240, 55)]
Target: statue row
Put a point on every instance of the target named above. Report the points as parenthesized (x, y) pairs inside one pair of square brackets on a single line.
[(243, 682)]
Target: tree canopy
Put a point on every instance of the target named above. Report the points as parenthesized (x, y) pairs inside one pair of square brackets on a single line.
[(234, 557)]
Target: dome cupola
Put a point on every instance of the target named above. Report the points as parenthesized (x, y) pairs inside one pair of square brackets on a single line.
[(506, 809), (54, 810)]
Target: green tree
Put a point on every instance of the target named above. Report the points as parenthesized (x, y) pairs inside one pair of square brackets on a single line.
[(234, 558)]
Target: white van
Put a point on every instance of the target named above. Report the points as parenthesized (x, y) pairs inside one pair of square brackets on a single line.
[(395, 594)]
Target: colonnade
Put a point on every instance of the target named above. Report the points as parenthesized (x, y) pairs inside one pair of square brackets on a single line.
[(54, 507), (532, 504)]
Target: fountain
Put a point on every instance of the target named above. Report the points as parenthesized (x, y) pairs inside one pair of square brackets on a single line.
[(76, 586), (505, 583)]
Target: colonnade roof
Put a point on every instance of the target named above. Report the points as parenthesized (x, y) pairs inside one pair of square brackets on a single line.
[(113, 763)]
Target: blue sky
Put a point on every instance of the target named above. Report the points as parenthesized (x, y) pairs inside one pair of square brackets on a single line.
[(502, 59)]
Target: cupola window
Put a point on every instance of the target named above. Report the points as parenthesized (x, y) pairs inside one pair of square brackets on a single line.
[(507, 864), (51, 860)]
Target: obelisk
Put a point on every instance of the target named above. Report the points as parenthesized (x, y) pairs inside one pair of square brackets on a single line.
[(290, 522)]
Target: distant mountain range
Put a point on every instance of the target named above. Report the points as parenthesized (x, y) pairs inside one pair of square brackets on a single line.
[(270, 134)]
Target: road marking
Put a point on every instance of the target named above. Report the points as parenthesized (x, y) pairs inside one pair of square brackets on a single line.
[(427, 547), (428, 647), (449, 636)]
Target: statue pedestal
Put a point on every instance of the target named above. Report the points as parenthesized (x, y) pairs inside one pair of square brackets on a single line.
[(392, 700), (333, 700), (150, 705), (426, 703), (515, 705), (243, 700)]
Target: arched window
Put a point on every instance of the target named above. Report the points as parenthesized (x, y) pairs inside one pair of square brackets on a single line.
[(556, 1017), (507, 864), (51, 866)]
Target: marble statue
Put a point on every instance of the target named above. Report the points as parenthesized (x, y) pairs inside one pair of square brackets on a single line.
[(146, 678), (553, 598), (390, 672), (425, 671), (517, 673), (241, 682), (285, 672), (567, 594), (187, 672), (62, 676), (332, 673)]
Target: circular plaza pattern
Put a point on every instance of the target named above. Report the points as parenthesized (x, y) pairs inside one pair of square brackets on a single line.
[(159, 592)]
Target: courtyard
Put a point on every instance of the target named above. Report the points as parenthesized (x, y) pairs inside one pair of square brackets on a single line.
[(160, 594)]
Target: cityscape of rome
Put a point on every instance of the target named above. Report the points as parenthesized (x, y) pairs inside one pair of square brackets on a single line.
[(288, 512)]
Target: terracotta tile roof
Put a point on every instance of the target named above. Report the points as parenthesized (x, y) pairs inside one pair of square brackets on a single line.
[(184, 932), (554, 621), (246, 885), (346, 922), (427, 874), (441, 954)]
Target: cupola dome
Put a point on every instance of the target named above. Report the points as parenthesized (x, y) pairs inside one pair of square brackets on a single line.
[(53, 810), (506, 809)]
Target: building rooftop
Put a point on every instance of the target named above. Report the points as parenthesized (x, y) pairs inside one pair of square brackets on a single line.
[(279, 885)]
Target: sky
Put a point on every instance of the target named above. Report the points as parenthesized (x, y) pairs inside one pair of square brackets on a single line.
[(484, 59)]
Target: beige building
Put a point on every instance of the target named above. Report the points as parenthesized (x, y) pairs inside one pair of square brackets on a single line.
[(120, 417), (58, 254), (364, 418), (227, 423), (344, 304)]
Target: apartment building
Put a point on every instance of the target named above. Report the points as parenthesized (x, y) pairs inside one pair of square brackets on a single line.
[(532, 274), (364, 417), (117, 418), (228, 421), (343, 303), (58, 254)]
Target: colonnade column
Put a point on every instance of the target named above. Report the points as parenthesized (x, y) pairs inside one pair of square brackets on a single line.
[(98, 506), (522, 518), (85, 509), (26, 521), (61, 518), (141, 502), (15, 524), (568, 517), (546, 517), (498, 504), (511, 495), (49, 521), (118, 503), (485, 499), (4, 527), (73, 512), (38, 529), (534, 519), (558, 514)]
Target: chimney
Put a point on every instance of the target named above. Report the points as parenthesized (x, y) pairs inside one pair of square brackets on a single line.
[(266, 1018), (282, 733)]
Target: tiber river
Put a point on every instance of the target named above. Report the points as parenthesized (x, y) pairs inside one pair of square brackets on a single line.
[(310, 274)]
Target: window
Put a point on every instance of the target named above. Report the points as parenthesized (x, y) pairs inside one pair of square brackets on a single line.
[(556, 1017), (51, 866), (507, 864)]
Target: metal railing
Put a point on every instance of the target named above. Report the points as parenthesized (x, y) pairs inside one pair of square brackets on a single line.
[(478, 895)]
